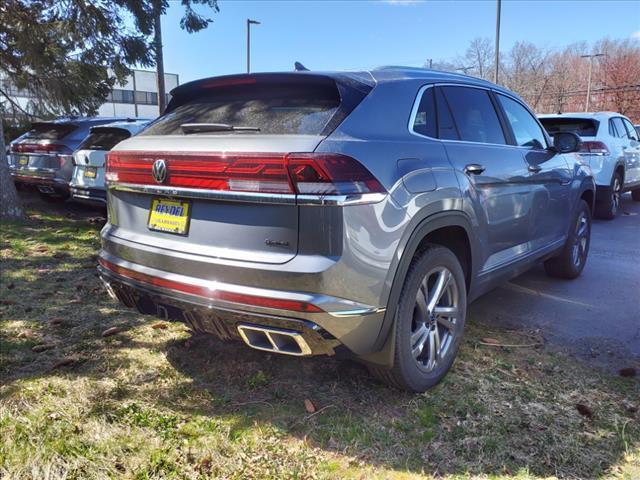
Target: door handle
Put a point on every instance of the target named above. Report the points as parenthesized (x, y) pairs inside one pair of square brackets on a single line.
[(473, 169), (535, 168)]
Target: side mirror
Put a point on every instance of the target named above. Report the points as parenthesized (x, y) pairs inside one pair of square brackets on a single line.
[(566, 142)]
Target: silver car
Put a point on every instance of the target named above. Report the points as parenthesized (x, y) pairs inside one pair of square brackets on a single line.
[(316, 213)]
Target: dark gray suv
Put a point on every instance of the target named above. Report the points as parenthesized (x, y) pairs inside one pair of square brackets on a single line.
[(43, 157), (313, 213)]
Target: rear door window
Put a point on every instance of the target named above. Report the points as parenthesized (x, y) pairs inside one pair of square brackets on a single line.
[(619, 127), (526, 130), (424, 122), (104, 139), (585, 127), (474, 115), (50, 131), (630, 129), (446, 127), (273, 109)]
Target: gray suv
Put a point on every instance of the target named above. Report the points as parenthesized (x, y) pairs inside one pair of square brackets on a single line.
[(317, 213)]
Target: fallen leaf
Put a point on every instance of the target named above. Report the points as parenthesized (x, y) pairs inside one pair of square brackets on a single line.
[(59, 255), (42, 248), (309, 406), (42, 347), (56, 320), (491, 341), (627, 372), (112, 331), (160, 326), (7, 302), (63, 362), (584, 410)]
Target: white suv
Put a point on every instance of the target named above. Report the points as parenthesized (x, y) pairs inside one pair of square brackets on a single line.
[(88, 181), (610, 143)]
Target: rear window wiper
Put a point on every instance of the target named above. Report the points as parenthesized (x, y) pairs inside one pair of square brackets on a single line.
[(188, 128)]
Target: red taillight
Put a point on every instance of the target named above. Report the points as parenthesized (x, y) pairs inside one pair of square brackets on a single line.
[(301, 173), (212, 293), (330, 174), (48, 148), (594, 148)]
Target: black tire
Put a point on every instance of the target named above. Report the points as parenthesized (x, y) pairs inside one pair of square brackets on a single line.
[(570, 263), (421, 372), (607, 206), (635, 195)]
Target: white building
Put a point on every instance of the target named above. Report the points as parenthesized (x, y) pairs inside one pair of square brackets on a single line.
[(138, 97)]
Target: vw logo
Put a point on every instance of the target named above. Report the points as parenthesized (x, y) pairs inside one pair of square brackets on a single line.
[(159, 171)]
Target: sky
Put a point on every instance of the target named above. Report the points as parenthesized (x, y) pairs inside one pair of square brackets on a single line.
[(361, 34)]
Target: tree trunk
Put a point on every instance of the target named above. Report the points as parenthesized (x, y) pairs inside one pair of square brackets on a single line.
[(10, 207), (157, 41)]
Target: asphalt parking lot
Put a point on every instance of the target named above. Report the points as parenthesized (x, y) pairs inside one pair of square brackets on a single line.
[(597, 316)]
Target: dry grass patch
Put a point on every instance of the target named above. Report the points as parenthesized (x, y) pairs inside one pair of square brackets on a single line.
[(155, 402)]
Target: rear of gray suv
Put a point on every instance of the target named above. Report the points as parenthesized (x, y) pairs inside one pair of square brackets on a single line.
[(317, 213)]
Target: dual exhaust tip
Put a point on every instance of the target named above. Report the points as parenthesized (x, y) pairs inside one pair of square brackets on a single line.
[(287, 342)]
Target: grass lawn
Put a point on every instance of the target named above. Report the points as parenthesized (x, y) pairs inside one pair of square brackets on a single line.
[(154, 401)]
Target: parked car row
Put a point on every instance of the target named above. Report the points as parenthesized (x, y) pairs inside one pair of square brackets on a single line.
[(65, 157), (322, 213)]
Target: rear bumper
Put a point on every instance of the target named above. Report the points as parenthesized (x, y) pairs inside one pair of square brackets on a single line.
[(335, 322), (221, 322), (86, 194), (40, 176)]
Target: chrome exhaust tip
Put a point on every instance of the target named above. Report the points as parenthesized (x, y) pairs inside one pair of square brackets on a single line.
[(287, 342)]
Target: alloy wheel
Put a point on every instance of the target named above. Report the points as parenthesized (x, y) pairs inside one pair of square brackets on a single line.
[(581, 238), (615, 194), (433, 327)]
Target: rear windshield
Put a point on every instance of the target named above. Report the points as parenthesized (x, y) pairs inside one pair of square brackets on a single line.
[(104, 139), (50, 131), (585, 127), (274, 109)]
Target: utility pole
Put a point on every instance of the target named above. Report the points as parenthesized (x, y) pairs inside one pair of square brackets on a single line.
[(157, 40), (497, 49), (430, 63), (590, 57), (249, 23)]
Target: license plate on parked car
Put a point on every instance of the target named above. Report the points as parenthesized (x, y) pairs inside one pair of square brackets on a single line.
[(171, 216), (23, 160), (90, 172)]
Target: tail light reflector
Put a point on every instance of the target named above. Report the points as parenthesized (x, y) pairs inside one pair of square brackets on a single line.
[(284, 173), (594, 148), (214, 294), (48, 148)]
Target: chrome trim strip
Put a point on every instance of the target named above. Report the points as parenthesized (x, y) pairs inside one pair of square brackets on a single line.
[(253, 197), (256, 197), (341, 200), (358, 312)]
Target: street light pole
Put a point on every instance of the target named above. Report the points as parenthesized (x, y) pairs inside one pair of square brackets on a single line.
[(497, 49), (590, 57), (249, 23)]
